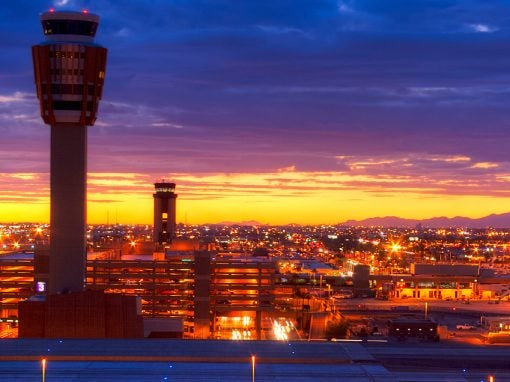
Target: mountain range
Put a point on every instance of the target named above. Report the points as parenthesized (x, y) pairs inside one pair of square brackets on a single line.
[(494, 220)]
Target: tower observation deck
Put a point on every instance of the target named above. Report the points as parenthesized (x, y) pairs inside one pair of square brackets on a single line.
[(69, 71), (164, 212)]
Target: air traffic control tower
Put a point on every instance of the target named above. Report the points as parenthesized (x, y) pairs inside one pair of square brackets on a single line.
[(164, 212), (69, 69), (69, 73)]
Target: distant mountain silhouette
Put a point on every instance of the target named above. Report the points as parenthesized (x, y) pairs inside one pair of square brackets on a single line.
[(494, 220), (243, 223)]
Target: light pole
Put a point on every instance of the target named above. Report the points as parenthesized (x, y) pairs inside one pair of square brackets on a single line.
[(426, 309), (329, 299), (43, 366), (252, 368)]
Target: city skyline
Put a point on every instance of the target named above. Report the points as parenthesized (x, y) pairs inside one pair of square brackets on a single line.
[(280, 112)]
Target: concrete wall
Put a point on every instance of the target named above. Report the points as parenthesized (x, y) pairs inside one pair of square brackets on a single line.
[(444, 269), (89, 314)]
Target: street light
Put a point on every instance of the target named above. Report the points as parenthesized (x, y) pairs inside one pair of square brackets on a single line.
[(252, 368), (491, 378), (43, 366)]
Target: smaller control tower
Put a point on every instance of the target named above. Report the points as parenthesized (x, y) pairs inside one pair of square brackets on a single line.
[(164, 212)]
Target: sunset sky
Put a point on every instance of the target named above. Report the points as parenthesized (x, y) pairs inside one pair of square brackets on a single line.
[(279, 111)]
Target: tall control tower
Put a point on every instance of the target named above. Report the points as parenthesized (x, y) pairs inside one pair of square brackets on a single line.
[(69, 69), (164, 212)]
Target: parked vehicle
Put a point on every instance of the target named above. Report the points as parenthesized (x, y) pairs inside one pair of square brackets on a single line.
[(465, 327)]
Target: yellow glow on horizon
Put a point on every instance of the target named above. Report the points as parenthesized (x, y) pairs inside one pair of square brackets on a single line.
[(280, 197)]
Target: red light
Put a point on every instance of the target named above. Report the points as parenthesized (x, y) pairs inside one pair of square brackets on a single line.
[(52, 10), (85, 11)]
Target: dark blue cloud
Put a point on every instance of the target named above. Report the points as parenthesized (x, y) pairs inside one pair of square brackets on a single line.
[(257, 85)]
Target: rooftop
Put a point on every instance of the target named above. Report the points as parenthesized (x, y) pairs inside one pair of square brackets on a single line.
[(180, 360)]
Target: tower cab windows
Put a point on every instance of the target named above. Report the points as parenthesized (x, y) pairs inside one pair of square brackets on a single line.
[(76, 27), (165, 189)]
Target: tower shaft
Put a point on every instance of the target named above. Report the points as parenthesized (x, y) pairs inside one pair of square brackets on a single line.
[(68, 207)]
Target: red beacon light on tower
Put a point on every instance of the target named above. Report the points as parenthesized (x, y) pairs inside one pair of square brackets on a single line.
[(85, 11), (52, 10)]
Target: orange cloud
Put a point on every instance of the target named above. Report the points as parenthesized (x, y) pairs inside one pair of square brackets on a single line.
[(283, 196)]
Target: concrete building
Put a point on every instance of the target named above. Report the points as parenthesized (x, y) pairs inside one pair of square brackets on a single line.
[(435, 282), (88, 314), (211, 295), (242, 298)]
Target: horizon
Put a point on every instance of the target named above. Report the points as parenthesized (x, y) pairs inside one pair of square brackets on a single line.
[(384, 222), (315, 112)]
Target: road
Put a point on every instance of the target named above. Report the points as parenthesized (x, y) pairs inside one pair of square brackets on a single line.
[(478, 306)]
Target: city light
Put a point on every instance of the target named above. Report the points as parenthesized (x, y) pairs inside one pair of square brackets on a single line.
[(395, 247), (238, 334), (43, 370), (281, 329)]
